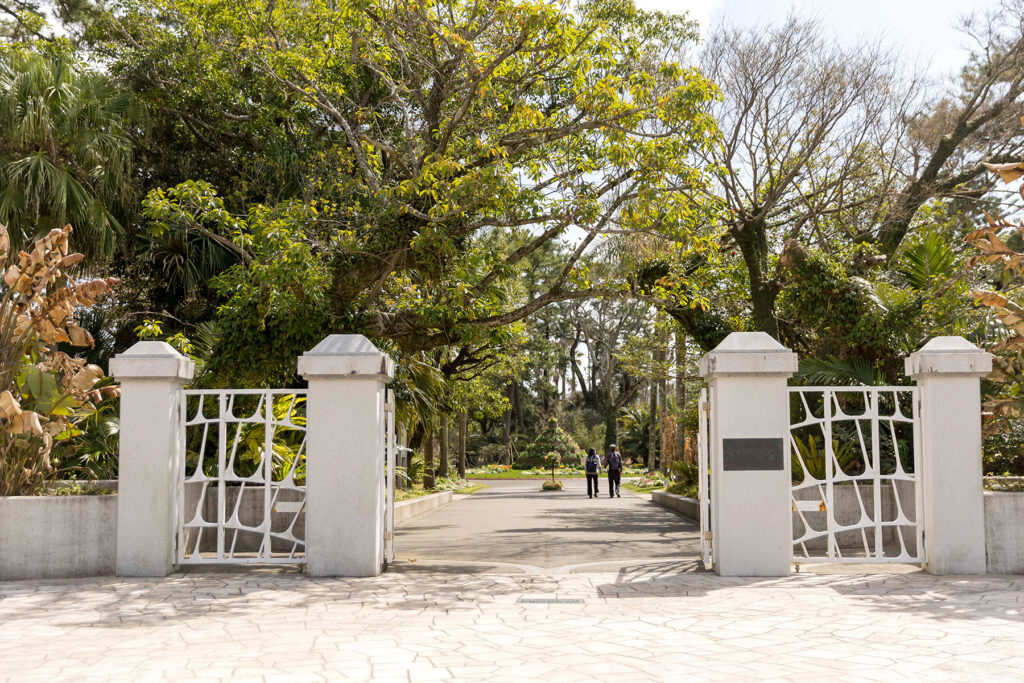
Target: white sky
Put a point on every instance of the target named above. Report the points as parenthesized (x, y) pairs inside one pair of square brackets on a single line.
[(923, 29)]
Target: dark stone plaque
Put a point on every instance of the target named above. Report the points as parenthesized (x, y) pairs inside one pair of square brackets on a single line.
[(752, 454)]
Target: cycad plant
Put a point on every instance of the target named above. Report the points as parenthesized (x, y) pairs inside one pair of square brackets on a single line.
[(44, 393), (65, 154)]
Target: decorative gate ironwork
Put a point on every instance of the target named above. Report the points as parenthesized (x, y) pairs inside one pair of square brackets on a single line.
[(242, 490), (704, 478), (856, 493)]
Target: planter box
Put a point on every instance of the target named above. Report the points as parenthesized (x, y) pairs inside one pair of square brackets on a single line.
[(687, 507), (408, 509), (57, 537), (1004, 532)]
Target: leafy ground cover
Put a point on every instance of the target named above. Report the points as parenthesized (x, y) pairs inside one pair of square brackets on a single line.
[(450, 484), (1004, 484), (472, 489)]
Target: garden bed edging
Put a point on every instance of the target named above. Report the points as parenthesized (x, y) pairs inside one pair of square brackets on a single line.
[(687, 507), (415, 507)]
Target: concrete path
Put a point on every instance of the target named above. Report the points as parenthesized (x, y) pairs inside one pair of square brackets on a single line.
[(514, 523)]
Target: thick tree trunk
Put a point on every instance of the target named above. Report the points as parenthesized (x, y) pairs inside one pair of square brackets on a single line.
[(442, 465), (506, 433), (428, 455), (463, 426), (680, 395), (662, 403), (654, 421), (611, 424), (764, 291), (576, 372), (518, 405)]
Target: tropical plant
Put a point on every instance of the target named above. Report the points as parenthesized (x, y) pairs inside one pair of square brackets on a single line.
[(44, 393), (999, 411), (809, 457), (923, 261), (95, 450), (65, 154), (839, 371), (634, 431)]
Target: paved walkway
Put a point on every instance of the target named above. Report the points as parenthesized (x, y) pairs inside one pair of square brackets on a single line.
[(638, 624), (639, 615), (514, 523)]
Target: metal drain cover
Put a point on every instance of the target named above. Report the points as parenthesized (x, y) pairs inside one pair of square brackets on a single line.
[(550, 601)]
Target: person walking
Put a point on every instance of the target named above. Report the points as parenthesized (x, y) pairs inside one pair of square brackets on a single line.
[(614, 462), (593, 470)]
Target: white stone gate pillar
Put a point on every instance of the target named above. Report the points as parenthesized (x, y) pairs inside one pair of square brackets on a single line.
[(345, 423), (948, 372), (751, 519), (151, 374)]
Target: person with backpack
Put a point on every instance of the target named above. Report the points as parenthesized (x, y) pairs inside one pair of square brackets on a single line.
[(593, 470), (614, 461)]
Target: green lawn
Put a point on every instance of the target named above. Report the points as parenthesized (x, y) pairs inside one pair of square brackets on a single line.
[(472, 489), (636, 489)]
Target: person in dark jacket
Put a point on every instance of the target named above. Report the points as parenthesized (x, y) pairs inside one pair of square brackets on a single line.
[(614, 463), (593, 470)]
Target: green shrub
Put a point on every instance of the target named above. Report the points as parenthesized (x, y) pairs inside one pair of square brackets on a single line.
[(552, 439), (1003, 453)]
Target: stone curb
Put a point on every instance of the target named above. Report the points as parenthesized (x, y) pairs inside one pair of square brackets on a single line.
[(687, 507), (408, 509)]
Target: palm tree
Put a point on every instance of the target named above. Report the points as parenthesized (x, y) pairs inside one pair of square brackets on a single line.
[(65, 154)]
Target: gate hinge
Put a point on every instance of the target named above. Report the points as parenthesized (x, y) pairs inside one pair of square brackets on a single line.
[(388, 535), (707, 535)]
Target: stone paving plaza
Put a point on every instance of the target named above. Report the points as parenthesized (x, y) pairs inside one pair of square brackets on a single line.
[(660, 624), (437, 619)]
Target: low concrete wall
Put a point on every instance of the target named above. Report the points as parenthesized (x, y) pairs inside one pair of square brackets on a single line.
[(250, 513), (415, 507), (846, 511), (687, 507), (57, 537), (1004, 532)]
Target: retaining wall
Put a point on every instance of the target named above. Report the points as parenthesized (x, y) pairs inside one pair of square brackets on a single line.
[(415, 507), (687, 507), (1004, 532), (57, 537)]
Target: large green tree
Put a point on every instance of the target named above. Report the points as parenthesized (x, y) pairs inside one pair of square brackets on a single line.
[(415, 129)]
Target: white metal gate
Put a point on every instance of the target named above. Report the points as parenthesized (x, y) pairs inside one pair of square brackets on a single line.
[(704, 478), (856, 493), (242, 460)]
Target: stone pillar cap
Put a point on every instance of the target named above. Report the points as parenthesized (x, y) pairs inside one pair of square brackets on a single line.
[(346, 355), (949, 356), (749, 353), (152, 360)]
